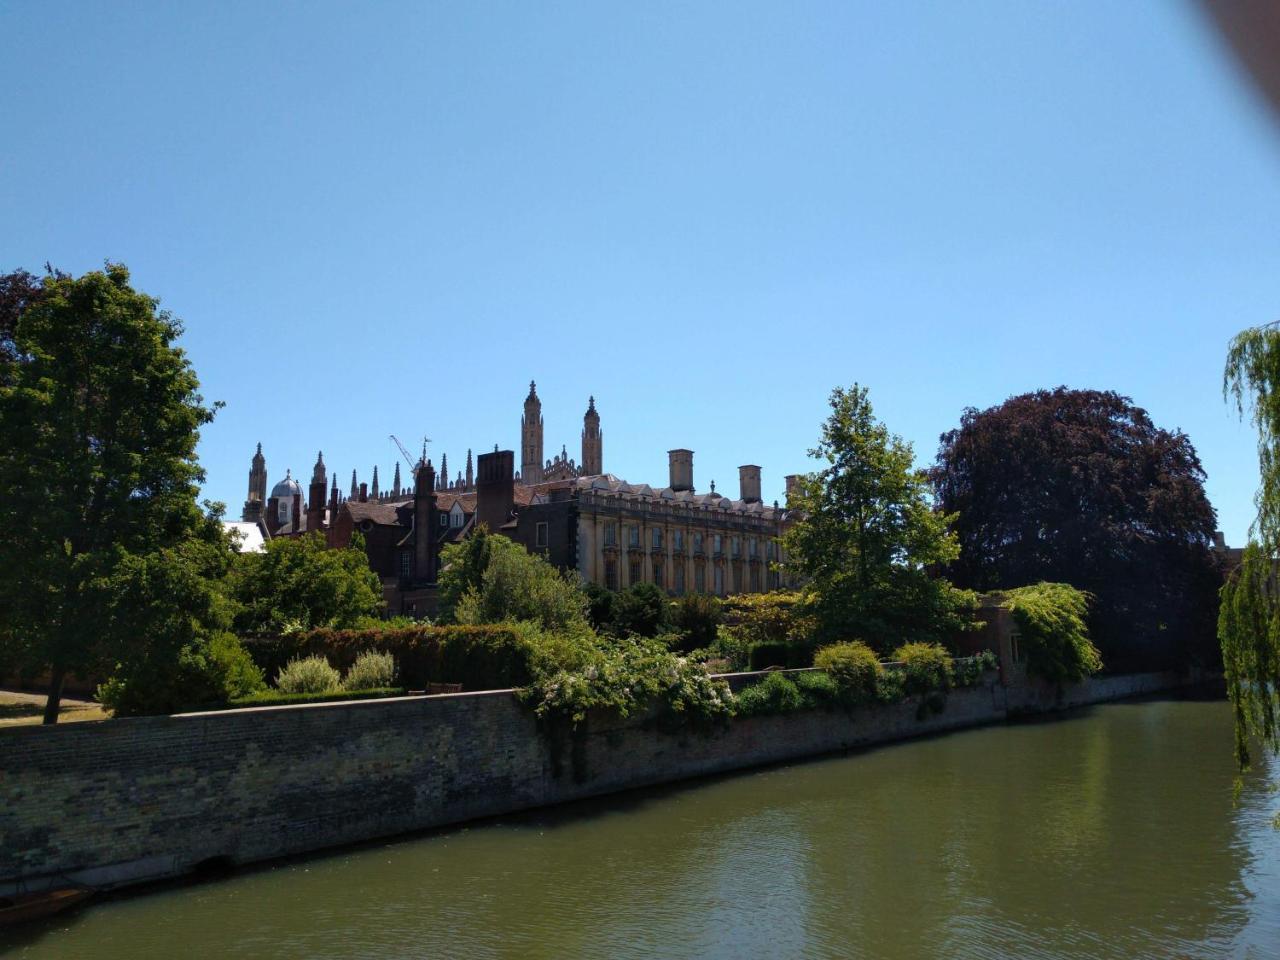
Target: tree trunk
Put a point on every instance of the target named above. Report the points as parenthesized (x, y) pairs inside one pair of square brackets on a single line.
[(52, 706)]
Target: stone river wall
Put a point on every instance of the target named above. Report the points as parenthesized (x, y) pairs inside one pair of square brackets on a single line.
[(132, 800)]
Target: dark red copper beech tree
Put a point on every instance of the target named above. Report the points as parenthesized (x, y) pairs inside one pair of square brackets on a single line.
[(1080, 487)]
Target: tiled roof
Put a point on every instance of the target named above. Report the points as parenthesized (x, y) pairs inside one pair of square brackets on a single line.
[(386, 514)]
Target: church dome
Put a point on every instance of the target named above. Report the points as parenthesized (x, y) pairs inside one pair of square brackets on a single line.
[(288, 487)]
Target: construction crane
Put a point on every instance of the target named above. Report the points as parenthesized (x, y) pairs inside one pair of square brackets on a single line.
[(408, 460)]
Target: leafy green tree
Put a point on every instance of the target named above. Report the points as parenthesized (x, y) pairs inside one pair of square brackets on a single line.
[(514, 586), (298, 583), (100, 413), (601, 606), (462, 567), (868, 536), (1249, 616), (166, 627), (641, 610), (697, 618)]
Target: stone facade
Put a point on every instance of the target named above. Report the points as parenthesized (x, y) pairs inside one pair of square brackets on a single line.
[(580, 518)]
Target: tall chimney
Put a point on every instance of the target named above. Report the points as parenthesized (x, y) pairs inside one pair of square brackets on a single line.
[(749, 483), (424, 521), (681, 462), (792, 480), (495, 488)]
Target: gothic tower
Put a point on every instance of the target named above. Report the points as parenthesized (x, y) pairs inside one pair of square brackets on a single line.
[(531, 437), (315, 495), (592, 442), (257, 488), (471, 478)]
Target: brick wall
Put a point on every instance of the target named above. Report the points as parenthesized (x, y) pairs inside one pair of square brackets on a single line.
[(125, 801)]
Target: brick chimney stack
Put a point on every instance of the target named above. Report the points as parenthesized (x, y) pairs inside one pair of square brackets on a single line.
[(495, 488), (749, 483), (681, 465)]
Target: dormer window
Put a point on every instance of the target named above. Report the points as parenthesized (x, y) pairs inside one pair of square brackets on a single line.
[(444, 519)]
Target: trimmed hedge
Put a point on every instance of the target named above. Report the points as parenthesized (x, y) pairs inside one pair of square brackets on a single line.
[(478, 657), (274, 698)]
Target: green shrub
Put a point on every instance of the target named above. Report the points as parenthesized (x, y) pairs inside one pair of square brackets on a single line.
[(776, 693), (697, 618), (727, 646), (818, 685), (208, 672), (274, 698), (1053, 636), (969, 670), (891, 687), (926, 667), (308, 675), (626, 676), (371, 670), (854, 667)]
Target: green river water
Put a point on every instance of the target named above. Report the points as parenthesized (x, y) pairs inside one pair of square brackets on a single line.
[(1110, 832)]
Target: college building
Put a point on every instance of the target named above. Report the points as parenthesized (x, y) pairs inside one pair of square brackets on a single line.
[(573, 513)]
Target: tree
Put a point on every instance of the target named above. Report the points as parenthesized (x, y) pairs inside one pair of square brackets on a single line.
[(501, 582), (1080, 487), (1249, 621), (462, 567), (298, 583), (868, 537), (166, 627), (100, 412), (641, 610)]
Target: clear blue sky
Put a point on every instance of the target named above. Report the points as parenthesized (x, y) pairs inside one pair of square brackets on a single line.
[(383, 219)]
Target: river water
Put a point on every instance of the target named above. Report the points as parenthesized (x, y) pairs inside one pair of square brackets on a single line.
[(1111, 832)]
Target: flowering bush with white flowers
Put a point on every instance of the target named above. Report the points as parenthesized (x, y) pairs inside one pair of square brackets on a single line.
[(626, 676)]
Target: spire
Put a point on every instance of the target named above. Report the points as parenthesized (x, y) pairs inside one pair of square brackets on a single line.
[(531, 462), (317, 473), (592, 441), (373, 490), (355, 488), (257, 497), (444, 468), (395, 481), (471, 480)]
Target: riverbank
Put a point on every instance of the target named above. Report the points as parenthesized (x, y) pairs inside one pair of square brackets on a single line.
[(137, 800)]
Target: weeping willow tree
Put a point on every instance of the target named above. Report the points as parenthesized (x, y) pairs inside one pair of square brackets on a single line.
[(1249, 617)]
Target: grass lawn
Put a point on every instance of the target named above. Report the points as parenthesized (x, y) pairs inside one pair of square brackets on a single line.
[(19, 707)]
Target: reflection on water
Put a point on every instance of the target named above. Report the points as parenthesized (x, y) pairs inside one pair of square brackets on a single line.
[(1111, 833)]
